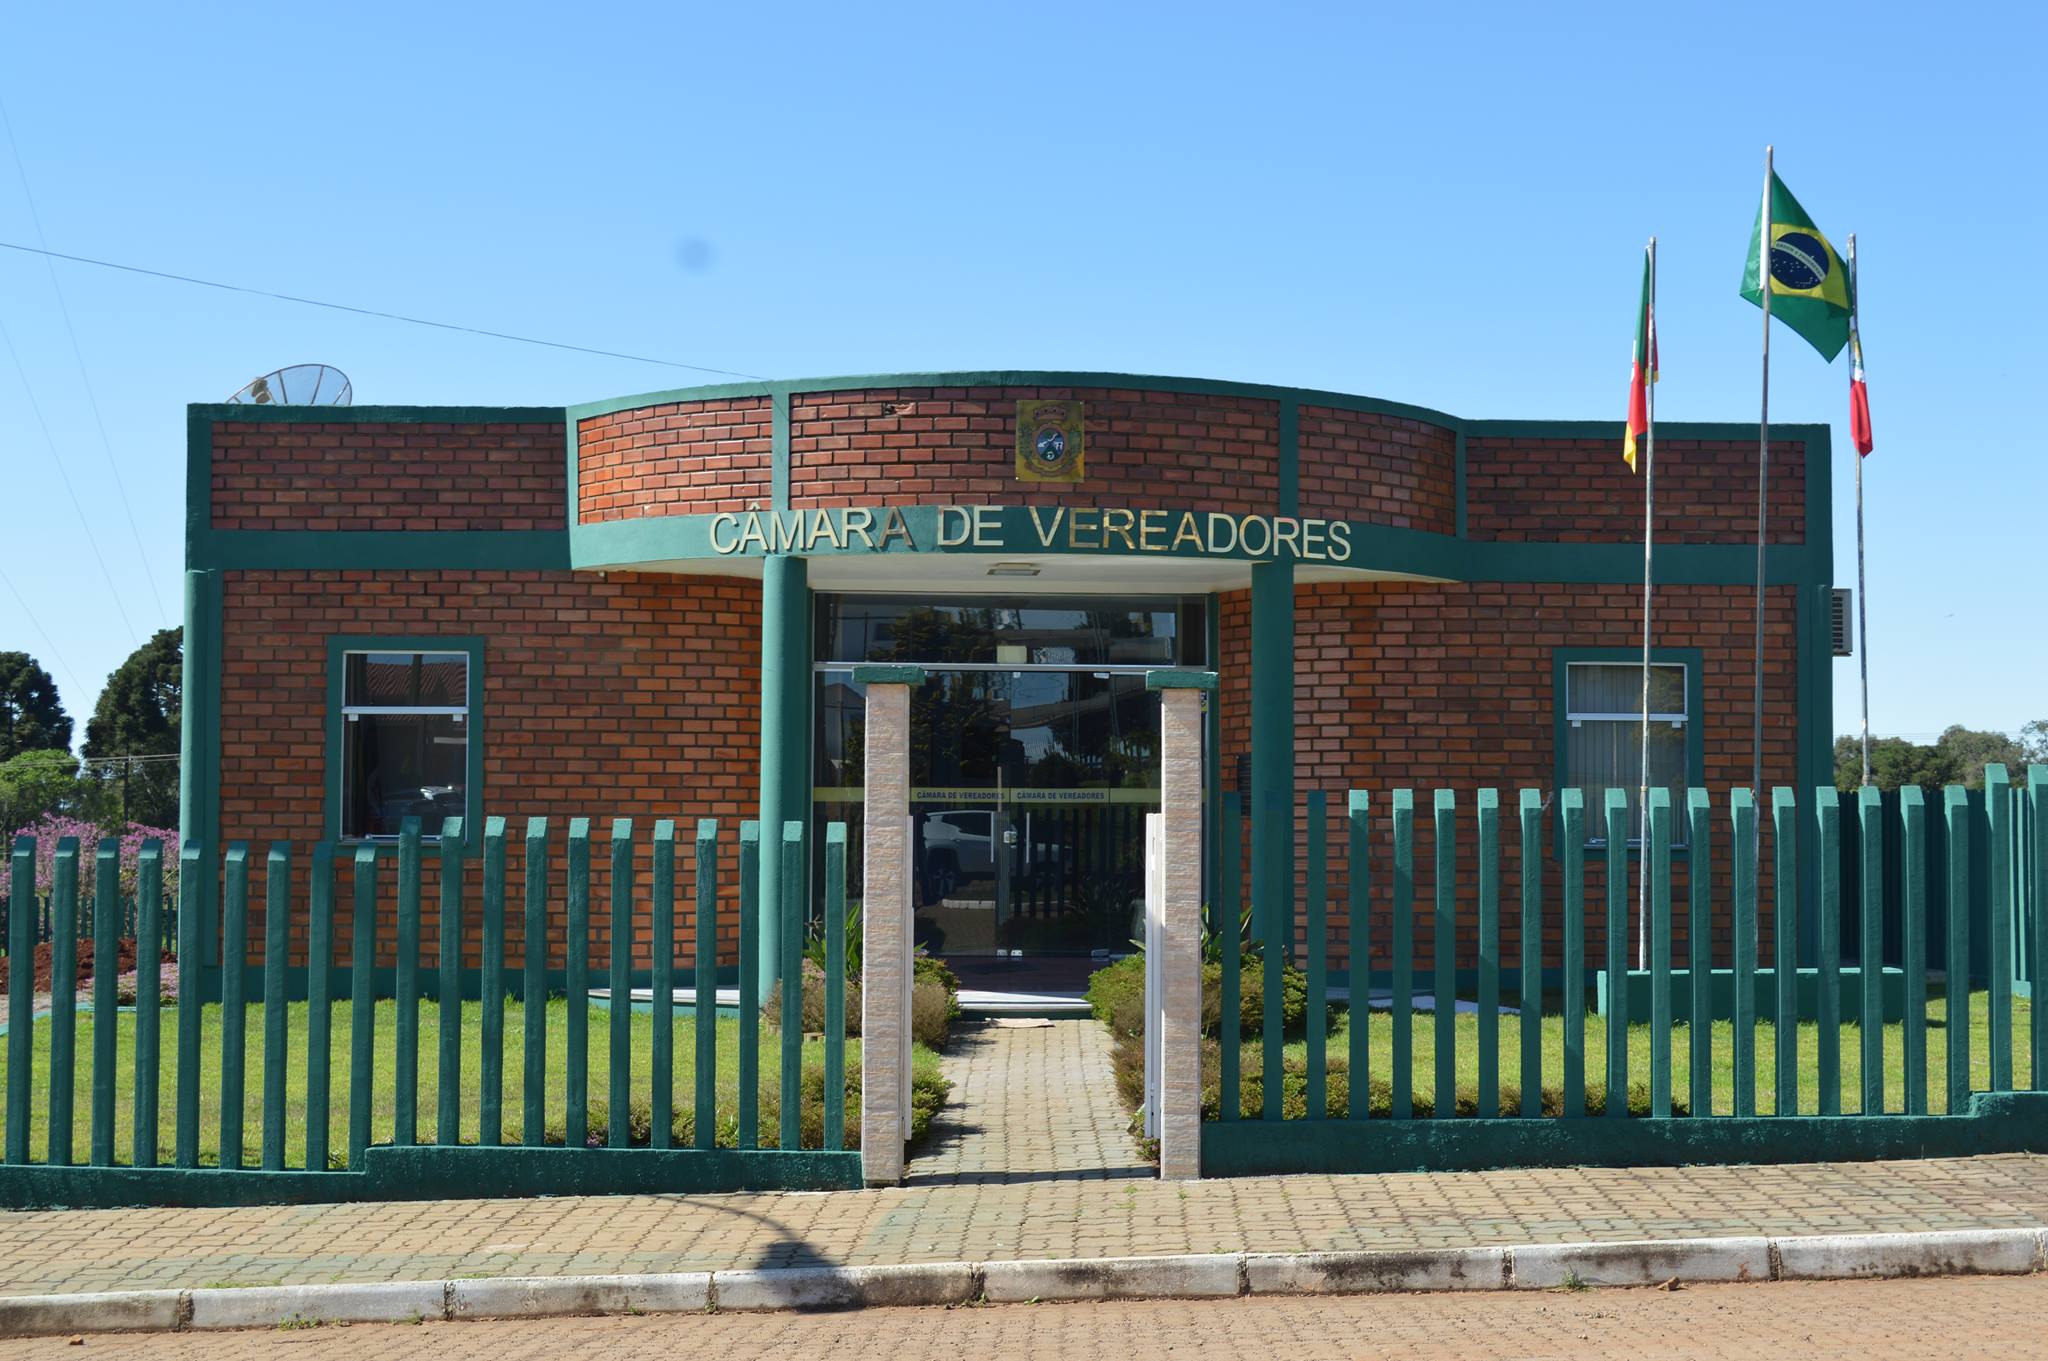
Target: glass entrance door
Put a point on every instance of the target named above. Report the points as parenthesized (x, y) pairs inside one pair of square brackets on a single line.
[(1032, 764)]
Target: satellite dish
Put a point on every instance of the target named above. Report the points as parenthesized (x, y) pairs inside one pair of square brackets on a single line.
[(298, 385)]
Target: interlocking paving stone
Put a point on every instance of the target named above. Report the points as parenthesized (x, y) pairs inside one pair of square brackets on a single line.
[(1034, 1160)]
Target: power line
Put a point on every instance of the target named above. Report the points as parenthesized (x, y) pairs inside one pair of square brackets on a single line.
[(91, 397), (372, 312), (48, 641), (58, 459)]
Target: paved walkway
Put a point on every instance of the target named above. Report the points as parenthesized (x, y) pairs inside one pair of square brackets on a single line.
[(1987, 1316), (1033, 1100), (1034, 1163)]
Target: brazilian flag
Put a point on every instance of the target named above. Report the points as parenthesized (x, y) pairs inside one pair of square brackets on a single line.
[(1809, 286)]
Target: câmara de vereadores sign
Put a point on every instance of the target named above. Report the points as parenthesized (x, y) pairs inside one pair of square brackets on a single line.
[(1030, 529)]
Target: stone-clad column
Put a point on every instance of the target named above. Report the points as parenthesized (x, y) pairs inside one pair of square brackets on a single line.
[(885, 913), (1180, 1018)]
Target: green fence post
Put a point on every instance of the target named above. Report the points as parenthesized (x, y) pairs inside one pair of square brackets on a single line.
[(1829, 1028), (789, 968), (1531, 999), (1658, 867), (704, 966), (362, 1003), (1870, 930), (1998, 829), (21, 996), (661, 984), (1913, 927), (448, 933), (1785, 946), (63, 978), (1617, 951), (835, 985), (319, 1004), (192, 864), (406, 1121), (1742, 844), (149, 991), (1444, 952), (750, 987), (1230, 928), (1956, 1000), (106, 996), (619, 987), (1489, 954), (1401, 1006), (277, 917), (577, 1076), (1357, 922), (1318, 955), (490, 1124), (1277, 912), (1573, 805), (533, 986), (234, 1015), (2036, 870), (1699, 948)]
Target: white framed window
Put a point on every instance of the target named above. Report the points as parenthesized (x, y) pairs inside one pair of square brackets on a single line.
[(1602, 734), (405, 740)]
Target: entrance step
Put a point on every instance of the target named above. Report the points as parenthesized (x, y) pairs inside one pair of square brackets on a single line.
[(994, 1002)]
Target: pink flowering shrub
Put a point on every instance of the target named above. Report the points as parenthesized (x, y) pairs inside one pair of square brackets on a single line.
[(54, 828)]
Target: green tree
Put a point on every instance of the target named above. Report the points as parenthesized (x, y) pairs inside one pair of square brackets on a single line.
[(1964, 752), (1958, 756), (137, 716), (36, 784), (32, 717)]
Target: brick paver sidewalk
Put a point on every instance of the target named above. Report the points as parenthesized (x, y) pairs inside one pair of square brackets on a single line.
[(1053, 1177)]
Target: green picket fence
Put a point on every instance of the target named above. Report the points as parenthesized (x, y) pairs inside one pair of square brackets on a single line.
[(1486, 1061), (380, 1090)]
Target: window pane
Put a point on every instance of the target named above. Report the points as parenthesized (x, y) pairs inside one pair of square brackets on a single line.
[(406, 679), (1617, 688), (396, 766), (1606, 755), (1061, 631)]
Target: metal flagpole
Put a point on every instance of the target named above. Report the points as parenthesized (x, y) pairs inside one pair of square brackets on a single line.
[(1763, 483), (1649, 377), (1862, 592)]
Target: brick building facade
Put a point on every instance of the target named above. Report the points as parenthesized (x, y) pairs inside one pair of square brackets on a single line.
[(649, 598)]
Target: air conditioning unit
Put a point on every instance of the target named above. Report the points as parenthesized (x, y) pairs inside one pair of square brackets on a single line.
[(1841, 627)]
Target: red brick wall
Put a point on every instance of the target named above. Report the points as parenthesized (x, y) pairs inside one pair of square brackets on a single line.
[(680, 458), (1385, 469), (1407, 685), (939, 446), (1579, 491), (632, 695), (374, 475)]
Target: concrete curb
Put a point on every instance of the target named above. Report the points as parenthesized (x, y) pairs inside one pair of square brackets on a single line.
[(1539, 1266)]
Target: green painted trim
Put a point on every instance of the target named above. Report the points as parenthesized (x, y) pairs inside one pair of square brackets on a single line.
[(199, 738), (376, 415), (778, 450), (572, 514), (438, 1173), (529, 550), (1458, 458), (875, 673), (1212, 758), (1289, 499), (1180, 680), (1272, 762), (340, 644), (1996, 1122), (1694, 660), (659, 539), (198, 483)]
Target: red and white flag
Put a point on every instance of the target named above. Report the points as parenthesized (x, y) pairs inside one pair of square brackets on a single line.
[(1859, 396)]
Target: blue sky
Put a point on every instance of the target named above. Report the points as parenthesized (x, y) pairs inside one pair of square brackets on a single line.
[(1443, 208)]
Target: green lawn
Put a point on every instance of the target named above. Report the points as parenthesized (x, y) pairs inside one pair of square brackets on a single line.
[(929, 1093), (1380, 1049)]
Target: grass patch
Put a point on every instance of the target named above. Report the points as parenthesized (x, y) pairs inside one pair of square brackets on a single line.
[(1465, 1032), (929, 1088)]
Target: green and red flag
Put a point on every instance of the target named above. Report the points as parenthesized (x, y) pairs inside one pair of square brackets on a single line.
[(1859, 398), (1642, 372), (1809, 286)]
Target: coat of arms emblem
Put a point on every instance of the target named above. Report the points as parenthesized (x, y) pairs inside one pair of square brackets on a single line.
[(1049, 441)]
